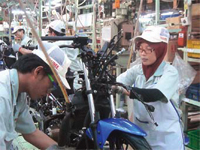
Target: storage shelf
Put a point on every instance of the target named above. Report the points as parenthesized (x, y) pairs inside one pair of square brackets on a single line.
[(185, 105), (190, 50), (190, 101), (186, 101)]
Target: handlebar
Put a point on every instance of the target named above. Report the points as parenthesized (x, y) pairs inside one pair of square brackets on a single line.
[(31, 47), (77, 39)]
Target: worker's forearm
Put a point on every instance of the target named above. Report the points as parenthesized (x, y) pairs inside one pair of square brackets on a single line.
[(25, 51), (39, 139), (148, 95)]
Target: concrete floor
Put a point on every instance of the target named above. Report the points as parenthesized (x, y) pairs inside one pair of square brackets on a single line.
[(20, 144)]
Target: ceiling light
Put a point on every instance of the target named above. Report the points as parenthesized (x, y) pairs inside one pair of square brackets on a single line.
[(17, 12), (167, 13), (53, 2)]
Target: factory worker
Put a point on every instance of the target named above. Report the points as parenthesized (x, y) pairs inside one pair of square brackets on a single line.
[(156, 81)]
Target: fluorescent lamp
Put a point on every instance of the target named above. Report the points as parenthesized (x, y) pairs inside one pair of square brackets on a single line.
[(58, 5), (150, 15), (167, 13), (17, 12)]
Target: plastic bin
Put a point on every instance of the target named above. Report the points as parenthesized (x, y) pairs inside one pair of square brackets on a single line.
[(194, 137), (193, 92), (193, 43)]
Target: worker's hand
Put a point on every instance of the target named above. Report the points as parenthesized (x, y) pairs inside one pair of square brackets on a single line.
[(16, 47), (55, 147), (119, 90)]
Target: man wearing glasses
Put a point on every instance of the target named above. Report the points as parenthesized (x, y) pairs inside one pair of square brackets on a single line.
[(30, 74), (20, 35)]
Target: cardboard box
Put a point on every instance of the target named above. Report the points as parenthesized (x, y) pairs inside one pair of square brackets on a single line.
[(174, 22), (197, 78), (195, 9), (195, 23)]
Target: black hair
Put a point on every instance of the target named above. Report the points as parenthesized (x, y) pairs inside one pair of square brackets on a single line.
[(22, 30), (56, 32), (28, 62)]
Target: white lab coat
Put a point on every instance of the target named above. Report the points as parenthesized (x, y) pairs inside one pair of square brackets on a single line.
[(25, 41), (168, 134)]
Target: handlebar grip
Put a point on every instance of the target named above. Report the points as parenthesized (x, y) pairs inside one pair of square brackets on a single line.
[(31, 47)]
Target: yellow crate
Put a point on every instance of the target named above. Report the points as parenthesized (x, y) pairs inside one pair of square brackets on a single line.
[(194, 55), (194, 43)]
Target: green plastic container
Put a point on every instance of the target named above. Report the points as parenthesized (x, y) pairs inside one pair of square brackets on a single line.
[(194, 137)]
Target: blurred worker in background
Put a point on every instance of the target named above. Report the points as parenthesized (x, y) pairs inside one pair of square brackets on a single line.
[(58, 28), (155, 82), (20, 35), (24, 40), (30, 74)]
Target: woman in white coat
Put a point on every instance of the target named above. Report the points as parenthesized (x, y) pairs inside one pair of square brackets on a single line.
[(157, 83)]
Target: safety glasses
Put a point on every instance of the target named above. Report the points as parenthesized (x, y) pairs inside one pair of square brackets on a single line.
[(147, 50), (55, 85)]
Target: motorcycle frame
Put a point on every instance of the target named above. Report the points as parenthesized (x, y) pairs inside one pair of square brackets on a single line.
[(100, 130)]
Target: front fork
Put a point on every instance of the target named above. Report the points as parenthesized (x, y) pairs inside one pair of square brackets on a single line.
[(112, 105), (94, 116)]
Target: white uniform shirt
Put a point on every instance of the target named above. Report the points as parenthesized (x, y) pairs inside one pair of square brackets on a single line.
[(25, 41), (14, 112), (168, 134)]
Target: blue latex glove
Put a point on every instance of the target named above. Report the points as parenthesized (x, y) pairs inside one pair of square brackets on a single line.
[(16, 47)]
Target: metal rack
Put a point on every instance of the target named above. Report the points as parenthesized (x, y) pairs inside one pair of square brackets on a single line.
[(189, 50), (93, 28), (186, 101), (185, 105)]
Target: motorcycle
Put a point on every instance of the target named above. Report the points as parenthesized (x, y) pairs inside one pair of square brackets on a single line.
[(91, 120), (7, 55)]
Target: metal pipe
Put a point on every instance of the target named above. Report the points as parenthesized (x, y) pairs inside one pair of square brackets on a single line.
[(76, 15), (94, 26), (40, 18), (85, 7), (118, 72), (157, 8), (58, 38), (10, 13)]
